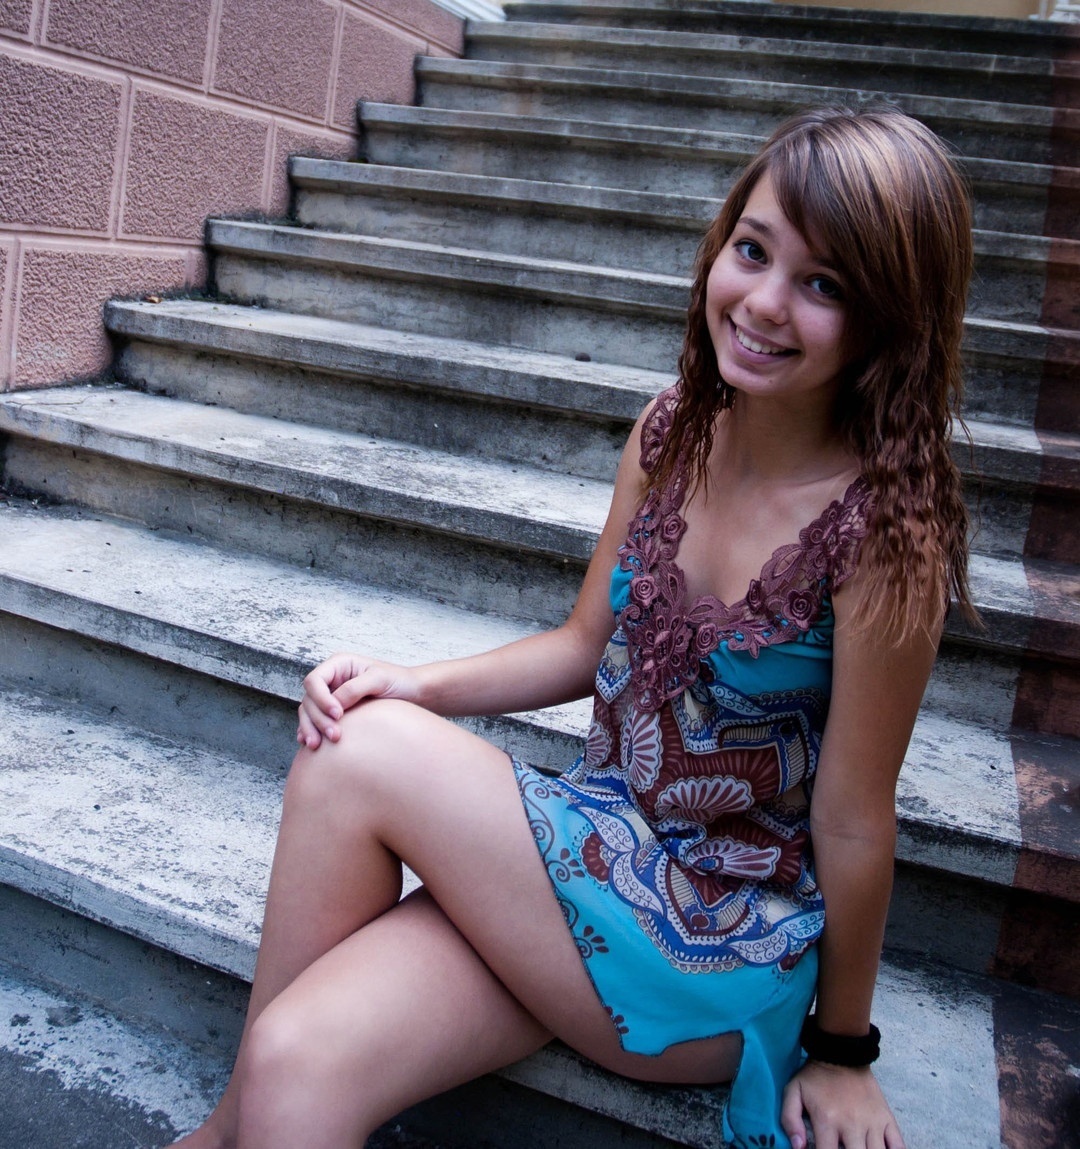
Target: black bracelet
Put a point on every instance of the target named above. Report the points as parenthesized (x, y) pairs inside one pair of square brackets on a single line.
[(839, 1048)]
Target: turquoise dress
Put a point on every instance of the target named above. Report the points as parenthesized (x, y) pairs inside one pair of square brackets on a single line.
[(678, 844)]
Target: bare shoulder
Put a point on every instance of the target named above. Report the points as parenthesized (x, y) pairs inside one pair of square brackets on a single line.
[(865, 592), (878, 683)]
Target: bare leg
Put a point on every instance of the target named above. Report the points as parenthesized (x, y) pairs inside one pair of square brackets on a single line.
[(326, 882), (403, 783), (401, 1010)]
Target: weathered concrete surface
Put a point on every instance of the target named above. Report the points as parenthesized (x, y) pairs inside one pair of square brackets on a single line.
[(813, 24), (456, 216), (1009, 196), (1018, 132), (937, 1065), (542, 305), (74, 1075), (234, 616), (957, 802), (579, 387), (98, 1080), (483, 401), (552, 306), (158, 839), (966, 74), (645, 231), (938, 1058), (517, 506), (152, 695), (308, 369), (336, 542), (445, 421)]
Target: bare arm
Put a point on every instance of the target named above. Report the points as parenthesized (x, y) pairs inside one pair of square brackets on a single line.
[(541, 670), (876, 693)]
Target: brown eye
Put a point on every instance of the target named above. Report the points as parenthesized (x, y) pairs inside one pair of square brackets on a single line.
[(823, 285), (750, 250)]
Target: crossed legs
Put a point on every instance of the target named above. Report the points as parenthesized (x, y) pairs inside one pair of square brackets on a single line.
[(362, 1006)]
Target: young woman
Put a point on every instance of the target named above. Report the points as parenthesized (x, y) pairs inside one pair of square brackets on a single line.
[(785, 535)]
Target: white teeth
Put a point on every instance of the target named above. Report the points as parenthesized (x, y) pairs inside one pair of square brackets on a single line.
[(759, 348)]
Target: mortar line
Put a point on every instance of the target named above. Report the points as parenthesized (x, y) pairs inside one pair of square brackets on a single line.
[(213, 33)]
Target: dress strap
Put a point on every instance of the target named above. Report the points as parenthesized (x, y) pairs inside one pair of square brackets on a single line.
[(656, 427)]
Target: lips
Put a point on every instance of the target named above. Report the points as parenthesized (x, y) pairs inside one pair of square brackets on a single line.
[(756, 345)]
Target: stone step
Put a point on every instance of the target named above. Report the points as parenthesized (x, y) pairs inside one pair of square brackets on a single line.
[(551, 306), (1039, 38), (1009, 196), (948, 71), (254, 624), (75, 1073), (303, 469), (595, 400), (556, 306), (552, 413), (123, 795), (447, 394), (641, 231), (515, 538), (997, 130), (232, 477)]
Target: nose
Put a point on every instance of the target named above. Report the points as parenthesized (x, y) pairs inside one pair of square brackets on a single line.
[(767, 298)]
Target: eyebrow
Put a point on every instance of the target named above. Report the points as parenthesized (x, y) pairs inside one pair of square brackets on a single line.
[(757, 225), (767, 231)]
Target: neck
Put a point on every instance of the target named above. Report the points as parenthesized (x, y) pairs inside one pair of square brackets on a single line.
[(782, 441)]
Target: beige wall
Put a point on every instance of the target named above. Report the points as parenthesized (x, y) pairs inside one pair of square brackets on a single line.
[(124, 125), (1007, 8)]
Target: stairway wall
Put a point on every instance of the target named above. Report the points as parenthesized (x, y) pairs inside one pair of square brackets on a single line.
[(119, 136), (1003, 8)]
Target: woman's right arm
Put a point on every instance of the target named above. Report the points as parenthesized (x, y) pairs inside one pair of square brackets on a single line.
[(541, 670)]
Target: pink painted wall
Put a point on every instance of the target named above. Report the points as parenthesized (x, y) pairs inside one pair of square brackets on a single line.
[(125, 123)]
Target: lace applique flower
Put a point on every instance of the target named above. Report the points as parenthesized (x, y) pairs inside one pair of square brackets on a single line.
[(668, 639)]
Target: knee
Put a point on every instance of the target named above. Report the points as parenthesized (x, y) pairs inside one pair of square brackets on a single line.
[(278, 1064), (295, 1077), (374, 739)]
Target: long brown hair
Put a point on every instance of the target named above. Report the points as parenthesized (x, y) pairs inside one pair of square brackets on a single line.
[(881, 194)]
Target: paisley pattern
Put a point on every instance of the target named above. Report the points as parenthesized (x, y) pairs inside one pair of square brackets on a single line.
[(697, 822), (691, 802)]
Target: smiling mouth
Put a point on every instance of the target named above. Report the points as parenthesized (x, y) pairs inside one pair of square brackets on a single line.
[(756, 346)]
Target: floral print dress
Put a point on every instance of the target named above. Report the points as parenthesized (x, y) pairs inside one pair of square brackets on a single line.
[(678, 844)]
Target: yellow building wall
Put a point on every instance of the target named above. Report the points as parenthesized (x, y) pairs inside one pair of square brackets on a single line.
[(1009, 8)]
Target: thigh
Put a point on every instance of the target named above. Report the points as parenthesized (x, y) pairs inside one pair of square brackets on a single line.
[(447, 803), (399, 1011)]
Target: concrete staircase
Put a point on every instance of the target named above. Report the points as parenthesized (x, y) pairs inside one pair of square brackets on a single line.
[(394, 427)]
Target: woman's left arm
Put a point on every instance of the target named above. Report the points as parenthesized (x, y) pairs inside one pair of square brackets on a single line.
[(877, 688)]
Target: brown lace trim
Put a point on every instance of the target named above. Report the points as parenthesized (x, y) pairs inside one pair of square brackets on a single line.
[(668, 639)]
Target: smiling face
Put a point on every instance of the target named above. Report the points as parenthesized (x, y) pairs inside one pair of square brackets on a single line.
[(775, 308)]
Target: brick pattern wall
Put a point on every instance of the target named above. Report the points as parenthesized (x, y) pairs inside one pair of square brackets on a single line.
[(125, 123)]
